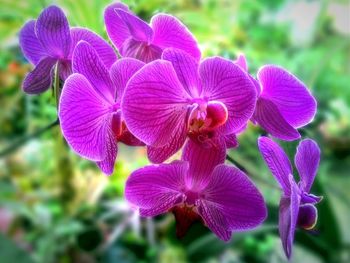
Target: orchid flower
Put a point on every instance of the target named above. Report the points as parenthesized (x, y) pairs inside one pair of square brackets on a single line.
[(297, 205), (49, 40), (199, 187), (284, 103), (137, 39), (89, 108), (176, 98)]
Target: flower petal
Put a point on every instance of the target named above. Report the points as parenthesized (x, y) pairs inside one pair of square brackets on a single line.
[(117, 30), (186, 68), (226, 82), (40, 79), (138, 28), (231, 141), (277, 161), (231, 201), (155, 189), (270, 119), (103, 49), (170, 32), (242, 62), (307, 217), (289, 94), (161, 154), (30, 45), (85, 118), (202, 161), (307, 160), (111, 148), (155, 103), (87, 62), (288, 216), (122, 71), (52, 30), (140, 50)]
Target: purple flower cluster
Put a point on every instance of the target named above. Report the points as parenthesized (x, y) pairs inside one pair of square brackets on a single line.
[(162, 95)]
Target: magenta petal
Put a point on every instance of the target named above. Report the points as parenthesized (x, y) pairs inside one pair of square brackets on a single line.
[(40, 79), (30, 45), (231, 141), (277, 161), (288, 216), (289, 94), (186, 68), (140, 50), (270, 119), (202, 161), (155, 189), (129, 139), (170, 32), (161, 154), (85, 118), (122, 71), (242, 62), (138, 29), (307, 217), (52, 30), (117, 30), (225, 82), (111, 148), (87, 62), (307, 160), (103, 49), (231, 201), (155, 103), (64, 69)]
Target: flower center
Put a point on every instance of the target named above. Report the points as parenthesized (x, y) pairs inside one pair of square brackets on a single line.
[(205, 118)]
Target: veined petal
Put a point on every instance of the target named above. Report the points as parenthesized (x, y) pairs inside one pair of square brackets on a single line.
[(231, 141), (40, 79), (138, 29), (277, 161), (288, 216), (161, 154), (140, 50), (85, 118), (186, 68), (111, 148), (289, 94), (242, 62), (30, 45), (270, 119), (87, 62), (155, 103), (117, 30), (170, 32), (231, 201), (202, 161), (52, 30), (122, 71), (307, 160), (103, 49), (226, 82), (155, 189)]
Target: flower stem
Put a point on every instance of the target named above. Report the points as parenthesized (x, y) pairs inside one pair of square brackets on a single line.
[(21, 141), (254, 176)]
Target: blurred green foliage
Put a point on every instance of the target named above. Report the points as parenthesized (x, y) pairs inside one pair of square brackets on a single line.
[(57, 207)]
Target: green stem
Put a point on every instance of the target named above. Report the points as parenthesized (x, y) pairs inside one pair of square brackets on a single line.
[(256, 177), (56, 84), (21, 141)]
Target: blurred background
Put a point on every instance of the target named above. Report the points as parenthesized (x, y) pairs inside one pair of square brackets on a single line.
[(57, 207)]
